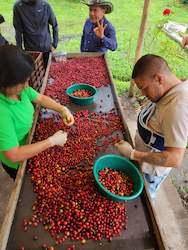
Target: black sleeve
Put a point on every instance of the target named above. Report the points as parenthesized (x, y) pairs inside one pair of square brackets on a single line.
[(53, 21), (109, 41), (82, 41), (3, 41), (17, 22)]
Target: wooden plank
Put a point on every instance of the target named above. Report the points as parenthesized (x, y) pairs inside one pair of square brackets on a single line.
[(155, 222), (11, 207)]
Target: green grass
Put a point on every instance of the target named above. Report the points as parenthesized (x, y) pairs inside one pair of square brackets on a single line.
[(126, 19), (183, 189)]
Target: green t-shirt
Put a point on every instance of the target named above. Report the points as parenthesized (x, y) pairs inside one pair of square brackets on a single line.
[(16, 118)]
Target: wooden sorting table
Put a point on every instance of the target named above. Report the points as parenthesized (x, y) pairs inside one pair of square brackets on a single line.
[(142, 232)]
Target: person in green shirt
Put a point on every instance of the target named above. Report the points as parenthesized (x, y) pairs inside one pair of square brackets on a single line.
[(16, 110)]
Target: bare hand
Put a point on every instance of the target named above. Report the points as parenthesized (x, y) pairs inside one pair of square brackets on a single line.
[(52, 49), (68, 118), (99, 30)]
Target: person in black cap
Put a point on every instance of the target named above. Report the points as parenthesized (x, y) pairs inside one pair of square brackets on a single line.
[(31, 20), (98, 33), (3, 41)]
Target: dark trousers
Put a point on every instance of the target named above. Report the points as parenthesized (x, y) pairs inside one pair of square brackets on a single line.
[(12, 172)]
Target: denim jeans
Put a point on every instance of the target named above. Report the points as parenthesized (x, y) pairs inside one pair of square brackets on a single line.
[(153, 183)]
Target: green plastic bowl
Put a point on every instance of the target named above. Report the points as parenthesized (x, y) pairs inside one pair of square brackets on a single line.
[(81, 100), (123, 164)]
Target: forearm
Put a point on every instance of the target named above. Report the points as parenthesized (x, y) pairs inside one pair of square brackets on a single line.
[(55, 37), (22, 153), (165, 158), (49, 103), (18, 28), (18, 37), (54, 24)]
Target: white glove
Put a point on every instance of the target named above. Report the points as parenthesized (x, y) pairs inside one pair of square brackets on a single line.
[(59, 138), (125, 149)]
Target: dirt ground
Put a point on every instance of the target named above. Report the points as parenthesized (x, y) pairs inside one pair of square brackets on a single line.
[(179, 176)]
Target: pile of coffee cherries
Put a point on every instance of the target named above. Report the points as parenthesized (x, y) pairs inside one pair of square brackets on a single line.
[(76, 70), (116, 181), (67, 202), (82, 93)]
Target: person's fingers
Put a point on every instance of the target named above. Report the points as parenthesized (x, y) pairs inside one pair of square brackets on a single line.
[(119, 143), (66, 121), (52, 48), (69, 120), (98, 23)]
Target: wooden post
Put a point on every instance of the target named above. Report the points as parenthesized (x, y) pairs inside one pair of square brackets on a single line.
[(140, 40)]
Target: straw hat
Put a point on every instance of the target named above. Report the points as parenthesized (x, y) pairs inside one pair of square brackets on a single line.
[(106, 5)]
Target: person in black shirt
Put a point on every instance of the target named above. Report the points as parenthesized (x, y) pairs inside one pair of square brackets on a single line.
[(31, 20)]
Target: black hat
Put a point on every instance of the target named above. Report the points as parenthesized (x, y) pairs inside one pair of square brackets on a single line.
[(16, 66)]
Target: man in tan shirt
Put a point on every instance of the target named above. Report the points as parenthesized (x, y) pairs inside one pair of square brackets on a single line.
[(162, 125)]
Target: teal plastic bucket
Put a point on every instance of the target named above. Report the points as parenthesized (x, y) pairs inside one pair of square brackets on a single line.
[(82, 101), (123, 164)]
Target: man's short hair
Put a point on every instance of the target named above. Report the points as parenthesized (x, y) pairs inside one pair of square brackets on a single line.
[(16, 66), (150, 64)]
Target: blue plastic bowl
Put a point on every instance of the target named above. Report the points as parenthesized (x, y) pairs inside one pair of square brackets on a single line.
[(82, 101), (123, 164)]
